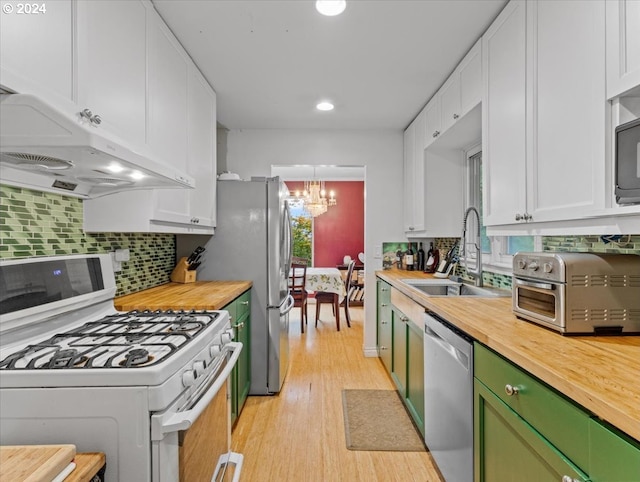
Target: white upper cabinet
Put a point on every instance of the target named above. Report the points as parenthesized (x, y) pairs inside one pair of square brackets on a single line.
[(168, 74), (180, 108), (433, 121), (544, 112), (503, 116), (623, 47), (37, 53), (463, 90), (409, 145), (112, 51)]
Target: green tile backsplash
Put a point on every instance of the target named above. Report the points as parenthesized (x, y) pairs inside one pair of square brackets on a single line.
[(627, 244), (34, 223)]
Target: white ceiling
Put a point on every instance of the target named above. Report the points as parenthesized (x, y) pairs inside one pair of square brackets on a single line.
[(379, 62)]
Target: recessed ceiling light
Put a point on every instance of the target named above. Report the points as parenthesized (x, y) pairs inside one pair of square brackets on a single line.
[(324, 106), (137, 175), (331, 7)]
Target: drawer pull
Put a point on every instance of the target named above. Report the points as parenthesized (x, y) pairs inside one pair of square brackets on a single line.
[(568, 478), (383, 304), (383, 348), (245, 303), (384, 322), (511, 390)]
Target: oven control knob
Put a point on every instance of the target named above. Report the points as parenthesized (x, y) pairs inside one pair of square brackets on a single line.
[(198, 367), (215, 350), (188, 378), (227, 336), (547, 267), (533, 266), (522, 264)]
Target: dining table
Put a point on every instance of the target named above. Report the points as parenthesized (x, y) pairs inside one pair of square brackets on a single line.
[(327, 280)]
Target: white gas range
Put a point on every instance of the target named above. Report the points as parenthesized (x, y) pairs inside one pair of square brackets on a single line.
[(149, 389)]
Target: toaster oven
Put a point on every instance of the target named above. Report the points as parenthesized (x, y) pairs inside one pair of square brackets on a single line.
[(578, 293)]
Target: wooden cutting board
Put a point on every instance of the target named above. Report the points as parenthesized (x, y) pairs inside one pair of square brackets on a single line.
[(34, 463)]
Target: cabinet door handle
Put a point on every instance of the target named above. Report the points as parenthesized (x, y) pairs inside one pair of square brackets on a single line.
[(436, 133), (384, 289), (96, 119), (383, 348), (528, 217), (244, 303), (383, 304), (455, 116), (519, 217), (511, 390), (411, 228), (239, 326), (384, 322), (404, 319)]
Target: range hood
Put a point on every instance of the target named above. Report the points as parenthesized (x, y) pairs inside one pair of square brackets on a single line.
[(45, 149)]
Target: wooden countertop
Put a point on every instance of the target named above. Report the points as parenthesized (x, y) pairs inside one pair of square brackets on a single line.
[(200, 295), (600, 373), (44, 462)]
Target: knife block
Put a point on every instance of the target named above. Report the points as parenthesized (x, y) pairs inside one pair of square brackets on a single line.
[(181, 273)]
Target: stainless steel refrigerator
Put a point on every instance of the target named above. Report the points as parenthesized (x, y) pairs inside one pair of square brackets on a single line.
[(253, 242)]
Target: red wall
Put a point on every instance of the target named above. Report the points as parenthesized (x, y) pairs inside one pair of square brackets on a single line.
[(339, 231)]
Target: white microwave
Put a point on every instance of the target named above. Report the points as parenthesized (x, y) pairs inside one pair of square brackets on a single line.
[(627, 155)]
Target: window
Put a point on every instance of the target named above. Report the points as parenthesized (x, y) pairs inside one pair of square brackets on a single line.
[(496, 250)]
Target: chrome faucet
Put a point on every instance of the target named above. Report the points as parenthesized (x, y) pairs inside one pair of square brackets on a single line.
[(476, 271)]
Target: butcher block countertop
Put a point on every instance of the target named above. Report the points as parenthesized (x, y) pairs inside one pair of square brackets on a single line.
[(200, 295), (41, 463), (600, 373)]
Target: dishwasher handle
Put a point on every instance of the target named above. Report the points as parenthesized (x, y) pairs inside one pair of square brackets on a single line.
[(452, 343)]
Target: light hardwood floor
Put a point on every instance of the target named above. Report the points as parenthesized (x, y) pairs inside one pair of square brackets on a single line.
[(298, 435)]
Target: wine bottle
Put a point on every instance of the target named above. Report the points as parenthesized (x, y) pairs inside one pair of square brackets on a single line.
[(409, 258), (420, 263), (431, 260), (399, 259)]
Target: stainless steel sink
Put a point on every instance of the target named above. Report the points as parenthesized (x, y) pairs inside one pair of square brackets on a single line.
[(435, 287)]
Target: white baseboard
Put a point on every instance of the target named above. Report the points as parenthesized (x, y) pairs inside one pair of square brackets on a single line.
[(370, 351)]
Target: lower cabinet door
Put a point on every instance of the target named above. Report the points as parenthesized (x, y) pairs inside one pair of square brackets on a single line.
[(507, 448), (384, 323), (399, 352), (243, 367), (415, 375)]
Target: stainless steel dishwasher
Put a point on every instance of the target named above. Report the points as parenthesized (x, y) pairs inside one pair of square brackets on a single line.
[(448, 399)]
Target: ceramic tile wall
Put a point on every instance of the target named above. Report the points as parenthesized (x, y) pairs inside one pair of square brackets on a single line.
[(626, 244), (34, 223)]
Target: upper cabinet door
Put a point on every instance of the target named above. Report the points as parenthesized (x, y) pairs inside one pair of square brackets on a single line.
[(202, 149), (37, 52), (470, 73), (567, 119), (450, 101), (433, 120), (168, 73), (112, 66), (503, 116), (623, 46)]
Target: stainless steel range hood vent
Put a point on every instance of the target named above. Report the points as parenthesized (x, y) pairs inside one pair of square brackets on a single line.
[(45, 149)]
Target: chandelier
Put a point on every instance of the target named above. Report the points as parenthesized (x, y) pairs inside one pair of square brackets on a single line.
[(314, 198)]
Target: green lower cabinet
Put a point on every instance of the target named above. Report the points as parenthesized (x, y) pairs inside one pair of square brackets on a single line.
[(408, 365), (614, 457), (384, 323), (415, 375), (507, 448), (240, 313), (526, 431)]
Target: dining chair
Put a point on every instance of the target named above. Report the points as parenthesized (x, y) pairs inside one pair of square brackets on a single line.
[(297, 280), (324, 297)]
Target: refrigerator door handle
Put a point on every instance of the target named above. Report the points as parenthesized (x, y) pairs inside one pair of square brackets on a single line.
[(288, 238), (287, 305)]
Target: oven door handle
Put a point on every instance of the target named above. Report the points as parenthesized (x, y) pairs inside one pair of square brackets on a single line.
[(184, 420), (531, 284)]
